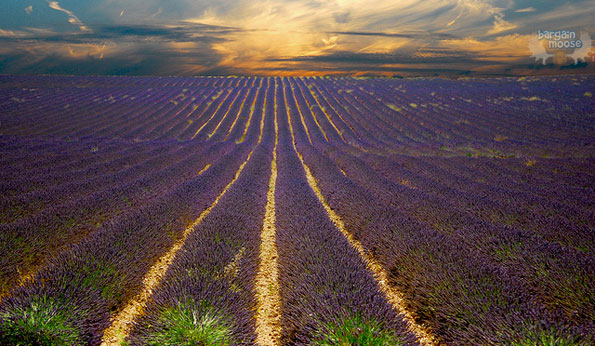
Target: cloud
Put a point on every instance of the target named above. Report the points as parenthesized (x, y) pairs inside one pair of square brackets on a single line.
[(178, 32), (434, 56), (500, 25), (559, 17), (102, 51), (285, 36), (28, 9), (110, 59), (159, 11), (8, 33), (526, 10), (419, 34), (273, 31), (175, 32), (182, 49), (73, 19), (505, 49), (342, 17)]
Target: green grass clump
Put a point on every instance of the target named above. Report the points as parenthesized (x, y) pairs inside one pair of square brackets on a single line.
[(550, 338), (44, 322), (355, 331), (191, 324)]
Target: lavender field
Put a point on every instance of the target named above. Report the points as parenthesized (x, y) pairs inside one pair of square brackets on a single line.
[(297, 211)]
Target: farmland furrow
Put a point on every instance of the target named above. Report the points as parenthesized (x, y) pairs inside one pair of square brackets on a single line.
[(183, 102), (328, 294), (397, 244), (344, 111), (211, 279), (268, 311), (393, 296), (237, 93), (377, 117), (28, 243), (232, 110), (176, 129), (361, 119), (325, 105), (96, 274), (317, 114), (78, 184), (323, 110), (313, 129), (294, 103), (139, 127), (213, 102), (235, 130), (121, 323), (283, 211)]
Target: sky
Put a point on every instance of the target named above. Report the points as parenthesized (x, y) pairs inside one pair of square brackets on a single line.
[(287, 37)]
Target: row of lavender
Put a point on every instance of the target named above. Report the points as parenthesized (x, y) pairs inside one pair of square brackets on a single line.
[(480, 258), (207, 295), (470, 280), (551, 212), (60, 215), (211, 281), (477, 117), (207, 292), (411, 229), (85, 284), (494, 113), (328, 297), (128, 204), (153, 109), (74, 187)]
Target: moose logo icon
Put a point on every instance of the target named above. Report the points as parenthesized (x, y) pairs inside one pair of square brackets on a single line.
[(560, 42)]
